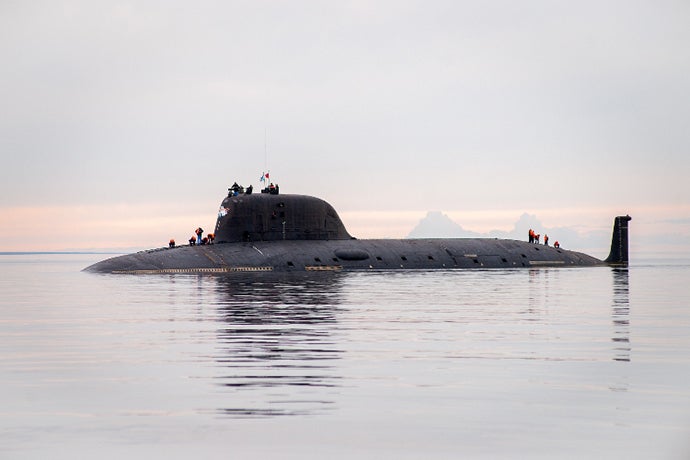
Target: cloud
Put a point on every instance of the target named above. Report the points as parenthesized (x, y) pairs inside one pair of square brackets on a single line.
[(439, 225), (645, 242)]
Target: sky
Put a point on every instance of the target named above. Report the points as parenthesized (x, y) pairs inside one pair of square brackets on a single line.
[(122, 124)]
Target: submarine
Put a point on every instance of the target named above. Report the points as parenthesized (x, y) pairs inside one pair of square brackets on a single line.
[(273, 232)]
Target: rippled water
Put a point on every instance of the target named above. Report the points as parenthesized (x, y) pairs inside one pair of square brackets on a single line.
[(542, 363)]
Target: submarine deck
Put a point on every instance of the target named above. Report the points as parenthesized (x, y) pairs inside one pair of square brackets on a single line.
[(346, 255)]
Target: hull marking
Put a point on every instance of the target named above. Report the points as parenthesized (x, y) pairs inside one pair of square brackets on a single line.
[(157, 271)]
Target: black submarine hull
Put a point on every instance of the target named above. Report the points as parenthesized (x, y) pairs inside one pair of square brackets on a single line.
[(346, 255), (283, 233)]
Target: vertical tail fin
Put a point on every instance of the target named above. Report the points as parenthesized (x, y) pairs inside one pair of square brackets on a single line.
[(619, 242)]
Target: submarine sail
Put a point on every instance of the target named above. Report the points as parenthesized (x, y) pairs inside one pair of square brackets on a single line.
[(267, 217)]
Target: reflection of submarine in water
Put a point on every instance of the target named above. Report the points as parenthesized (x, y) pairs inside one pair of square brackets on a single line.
[(265, 349), (272, 232)]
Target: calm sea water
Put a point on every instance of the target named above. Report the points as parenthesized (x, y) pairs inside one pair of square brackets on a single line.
[(547, 363)]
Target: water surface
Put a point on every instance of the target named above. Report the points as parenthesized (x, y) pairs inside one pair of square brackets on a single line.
[(539, 363)]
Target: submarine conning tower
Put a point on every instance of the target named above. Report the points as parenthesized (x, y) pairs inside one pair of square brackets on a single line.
[(272, 217)]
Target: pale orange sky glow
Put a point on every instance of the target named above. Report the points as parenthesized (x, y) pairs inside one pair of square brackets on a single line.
[(97, 227), (141, 226)]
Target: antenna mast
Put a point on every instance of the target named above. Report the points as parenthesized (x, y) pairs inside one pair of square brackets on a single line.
[(266, 156)]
